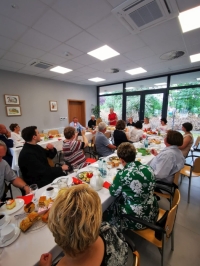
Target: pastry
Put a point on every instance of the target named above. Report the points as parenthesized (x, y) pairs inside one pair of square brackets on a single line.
[(30, 207), (10, 204), (45, 216), (33, 217), (41, 201), (25, 224)]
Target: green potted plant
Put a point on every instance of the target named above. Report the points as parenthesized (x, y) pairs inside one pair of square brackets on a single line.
[(96, 111)]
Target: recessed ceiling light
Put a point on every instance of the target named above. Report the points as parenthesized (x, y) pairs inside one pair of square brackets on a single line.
[(136, 71), (96, 79), (189, 19), (194, 58), (160, 84), (103, 53), (61, 70), (198, 78)]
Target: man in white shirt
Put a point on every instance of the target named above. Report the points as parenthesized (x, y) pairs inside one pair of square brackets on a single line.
[(76, 125)]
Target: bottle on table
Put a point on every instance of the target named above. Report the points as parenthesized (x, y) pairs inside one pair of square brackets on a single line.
[(146, 142), (104, 168), (100, 163)]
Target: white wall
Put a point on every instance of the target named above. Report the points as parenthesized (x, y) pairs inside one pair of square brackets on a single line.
[(35, 94)]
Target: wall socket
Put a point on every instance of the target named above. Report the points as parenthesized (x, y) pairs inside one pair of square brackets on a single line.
[(63, 118)]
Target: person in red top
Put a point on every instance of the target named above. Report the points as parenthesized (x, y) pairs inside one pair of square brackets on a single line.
[(112, 117)]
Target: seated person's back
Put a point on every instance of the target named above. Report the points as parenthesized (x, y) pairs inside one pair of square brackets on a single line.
[(119, 135), (5, 136), (102, 144)]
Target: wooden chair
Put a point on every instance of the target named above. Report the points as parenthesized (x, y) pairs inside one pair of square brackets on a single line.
[(133, 255), (98, 121), (162, 230), (168, 188), (194, 149), (91, 144), (191, 171), (53, 132)]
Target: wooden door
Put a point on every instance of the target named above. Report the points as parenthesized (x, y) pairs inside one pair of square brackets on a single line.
[(76, 108)]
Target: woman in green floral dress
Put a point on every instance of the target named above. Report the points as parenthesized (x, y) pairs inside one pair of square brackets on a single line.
[(134, 187)]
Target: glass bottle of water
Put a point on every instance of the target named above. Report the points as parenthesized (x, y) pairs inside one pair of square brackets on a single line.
[(100, 163), (146, 142), (104, 169)]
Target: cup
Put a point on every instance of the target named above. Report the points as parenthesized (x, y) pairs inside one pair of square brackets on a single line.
[(7, 233), (49, 191), (2, 218), (62, 183)]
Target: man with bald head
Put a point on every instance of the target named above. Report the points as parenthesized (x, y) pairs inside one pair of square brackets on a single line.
[(5, 136)]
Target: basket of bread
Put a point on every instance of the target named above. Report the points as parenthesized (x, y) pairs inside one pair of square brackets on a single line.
[(113, 161), (155, 141), (35, 219)]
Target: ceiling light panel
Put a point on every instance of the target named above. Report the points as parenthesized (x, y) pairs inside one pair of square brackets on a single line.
[(61, 70), (136, 71), (194, 58), (103, 53), (189, 19), (160, 84), (96, 79)]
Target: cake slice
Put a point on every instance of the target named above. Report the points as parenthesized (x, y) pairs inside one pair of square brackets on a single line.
[(10, 204)]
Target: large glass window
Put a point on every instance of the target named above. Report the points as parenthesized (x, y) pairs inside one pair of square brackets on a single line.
[(148, 84), (184, 106), (186, 79), (107, 102), (133, 107)]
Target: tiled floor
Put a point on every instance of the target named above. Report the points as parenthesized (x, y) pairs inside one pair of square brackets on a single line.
[(187, 232)]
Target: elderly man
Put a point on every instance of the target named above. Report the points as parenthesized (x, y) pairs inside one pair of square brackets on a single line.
[(5, 136), (33, 160), (103, 146), (78, 127), (6, 173), (92, 122)]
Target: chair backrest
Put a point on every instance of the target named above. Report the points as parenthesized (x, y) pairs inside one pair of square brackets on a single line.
[(98, 121), (196, 165), (41, 134), (50, 162), (197, 142), (170, 220), (176, 198), (176, 177), (53, 132)]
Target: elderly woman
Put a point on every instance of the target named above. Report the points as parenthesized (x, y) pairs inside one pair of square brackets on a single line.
[(135, 184), (75, 222), (112, 117), (187, 138), (170, 160), (130, 122), (15, 133), (137, 132), (73, 149), (119, 135), (163, 125), (146, 124)]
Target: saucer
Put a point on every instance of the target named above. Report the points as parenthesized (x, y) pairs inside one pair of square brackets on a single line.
[(10, 241), (8, 218), (54, 194)]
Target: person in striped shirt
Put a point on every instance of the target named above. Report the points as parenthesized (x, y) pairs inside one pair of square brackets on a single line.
[(73, 149)]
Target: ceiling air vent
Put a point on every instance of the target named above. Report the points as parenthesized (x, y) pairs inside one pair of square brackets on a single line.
[(40, 64), (172, 55), (138, 15), (112, 70)]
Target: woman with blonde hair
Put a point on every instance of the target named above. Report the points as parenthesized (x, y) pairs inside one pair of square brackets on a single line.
[(75, 221)]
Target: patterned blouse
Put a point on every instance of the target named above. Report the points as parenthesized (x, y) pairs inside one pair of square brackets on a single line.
[(135, 183), (116, 249)]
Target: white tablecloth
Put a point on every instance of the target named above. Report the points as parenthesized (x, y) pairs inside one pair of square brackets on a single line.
[(55, 142)]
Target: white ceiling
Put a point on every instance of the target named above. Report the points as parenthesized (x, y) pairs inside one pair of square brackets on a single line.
[(48, 29)]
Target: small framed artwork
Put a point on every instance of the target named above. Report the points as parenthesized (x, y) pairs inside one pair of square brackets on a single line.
[(13, 110), (11, 99), (53, 106)]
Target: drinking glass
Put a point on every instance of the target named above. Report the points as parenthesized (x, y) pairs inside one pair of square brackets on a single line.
[(75, 169), (33, 190)]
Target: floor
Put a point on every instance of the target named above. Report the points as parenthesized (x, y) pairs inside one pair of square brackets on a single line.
[(187, 232)]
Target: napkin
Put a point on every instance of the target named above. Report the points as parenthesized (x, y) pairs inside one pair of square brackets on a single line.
[(26, 199), (106, 184), (90, 160)]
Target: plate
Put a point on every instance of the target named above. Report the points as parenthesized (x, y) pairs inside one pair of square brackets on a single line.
[(54, 194), (83, 176), (19, 205), (7, 220), (10, 241), (114, 158), (55, 181)]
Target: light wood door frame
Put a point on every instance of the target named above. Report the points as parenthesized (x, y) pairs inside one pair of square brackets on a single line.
[(82, 120)]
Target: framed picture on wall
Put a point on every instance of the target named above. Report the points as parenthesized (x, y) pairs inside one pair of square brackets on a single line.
[(53, 106), (13, 110), (11, 99)]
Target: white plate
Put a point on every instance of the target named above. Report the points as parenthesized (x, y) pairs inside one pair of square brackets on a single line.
[(37, 225), (55, 181), (19, 205), (7, 220), (10, 241), (54, 194)]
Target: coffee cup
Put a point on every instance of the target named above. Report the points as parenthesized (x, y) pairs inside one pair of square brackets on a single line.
[(49, 191), (62, 183), (2, 218), (7, 233)]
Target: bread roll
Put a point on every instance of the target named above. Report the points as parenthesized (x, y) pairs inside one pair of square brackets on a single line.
[(25, 224), (30, 207)]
